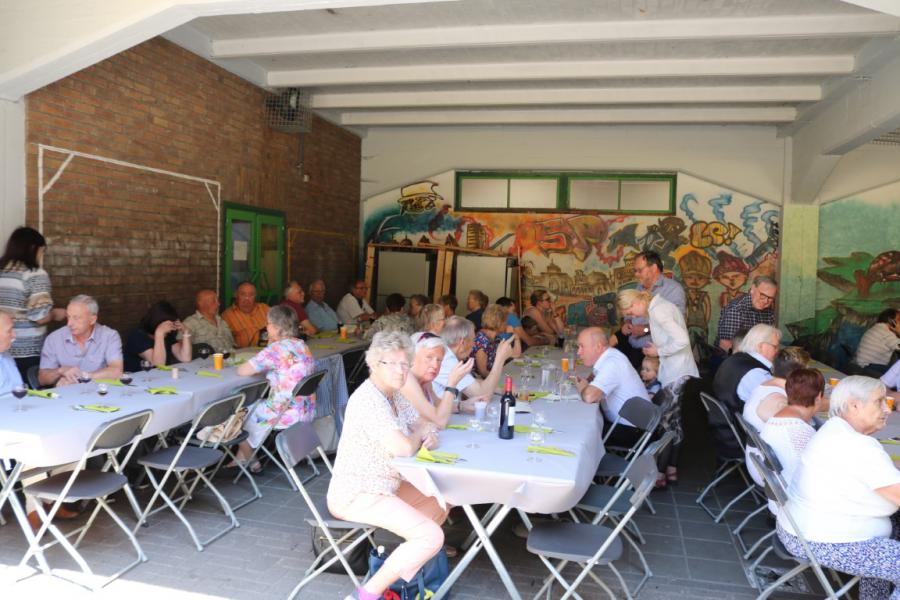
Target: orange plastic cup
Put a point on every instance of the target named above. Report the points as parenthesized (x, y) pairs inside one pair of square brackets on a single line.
[(833, 381), (343, 332), (564, 364), (218, 357), (889, 400)]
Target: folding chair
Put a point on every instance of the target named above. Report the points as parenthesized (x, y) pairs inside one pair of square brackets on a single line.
[(83, 484), (643, 415), (305, 387), (728, 464), (295, 443), (776, 492), (32, 377), (355, 368), (183, 459), (589, 544)]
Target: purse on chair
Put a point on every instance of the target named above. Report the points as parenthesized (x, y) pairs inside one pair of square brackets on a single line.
[(423, 585)]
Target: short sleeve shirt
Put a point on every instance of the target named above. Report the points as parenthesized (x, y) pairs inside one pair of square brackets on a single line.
[(447, 365), (138, 342), (617, 379), (104, 346), (322, 316), (9, 373), (484, 344), (739, 314), (287, 362), (245, 327), (218, 336)]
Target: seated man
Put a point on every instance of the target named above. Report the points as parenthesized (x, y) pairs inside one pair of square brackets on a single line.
[(294, 297), (9, 373), (748, 310), (746, 369), (449, 303), (394, 319), (82, 346), (611, 384), (320, 314), (206, 326), (353, 307), (879, 343), (475, 303), (246, 317)]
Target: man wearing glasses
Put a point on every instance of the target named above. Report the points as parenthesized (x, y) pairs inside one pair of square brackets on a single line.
[(353, 307), (756, 308)]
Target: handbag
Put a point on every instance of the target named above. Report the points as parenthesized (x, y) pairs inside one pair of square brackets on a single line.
[(224, 432), (424, 583), (356, 558)]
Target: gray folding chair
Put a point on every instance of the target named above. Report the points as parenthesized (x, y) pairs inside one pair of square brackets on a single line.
[(728, 465), (294, 444), (32, 377), (82, 484), (776, 492), (643, 415), (588, 544), (305, 387), (184, 459)]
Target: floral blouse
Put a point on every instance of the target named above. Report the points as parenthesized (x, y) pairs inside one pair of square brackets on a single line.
[(287, 361), (486, 345)]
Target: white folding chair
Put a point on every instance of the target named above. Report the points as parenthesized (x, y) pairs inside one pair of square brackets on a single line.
[(295, 444), (588, 544), (83, 484)]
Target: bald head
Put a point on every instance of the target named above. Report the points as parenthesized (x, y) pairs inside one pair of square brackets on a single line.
[(207, 302), (592, 343)]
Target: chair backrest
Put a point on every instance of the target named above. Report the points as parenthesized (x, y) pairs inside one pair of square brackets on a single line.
[(643, 414), (755, 441), (308, 385), (32, 376), (218, 411), (655, 447), (252, 391), (355, 368), (296, 443), (119, 432), (640, 471), (713, 405)]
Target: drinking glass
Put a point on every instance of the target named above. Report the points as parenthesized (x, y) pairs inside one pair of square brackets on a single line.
[(475, 424), (126, 378), (102, 389), (493, 413), (204, 352), (83, 377), (20, 391), (146, 365)]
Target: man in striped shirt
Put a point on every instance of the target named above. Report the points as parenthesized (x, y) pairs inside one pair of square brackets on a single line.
[(879, 343)]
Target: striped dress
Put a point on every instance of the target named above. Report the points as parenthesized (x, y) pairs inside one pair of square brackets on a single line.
[(25, 293)]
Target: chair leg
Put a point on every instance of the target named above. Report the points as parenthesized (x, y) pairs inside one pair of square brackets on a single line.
[(736, 532), (283, 469), (141, 557), (786, 577), (647, 572), (734, 501), (60, 538), (726, 470), (618, 575), (338, 556), (762, 555)]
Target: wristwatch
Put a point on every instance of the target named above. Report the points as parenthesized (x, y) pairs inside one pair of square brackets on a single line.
[(453, 390)]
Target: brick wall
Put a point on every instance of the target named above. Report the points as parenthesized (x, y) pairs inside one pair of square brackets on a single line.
[(131, 237)]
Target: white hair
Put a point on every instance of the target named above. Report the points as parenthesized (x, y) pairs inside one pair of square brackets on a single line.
[(427, 340), (88, 301), (456, 329), (758, 335), (388, 341), (856, 387)]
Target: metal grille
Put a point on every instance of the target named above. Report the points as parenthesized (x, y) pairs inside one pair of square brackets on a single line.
[(891, 138), (288, 111)]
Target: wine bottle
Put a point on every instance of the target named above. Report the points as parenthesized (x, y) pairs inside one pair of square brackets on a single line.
[(507, 412)]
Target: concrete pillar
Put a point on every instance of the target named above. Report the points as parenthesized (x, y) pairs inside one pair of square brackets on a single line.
[(799, 260), (12, 167)]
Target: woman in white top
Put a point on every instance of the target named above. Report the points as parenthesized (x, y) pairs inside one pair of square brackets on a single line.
[(429, 354), (769, 397), (672, 344), (845, 493), (380, 425)]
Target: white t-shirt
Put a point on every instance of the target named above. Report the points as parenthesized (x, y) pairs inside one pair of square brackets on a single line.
[(617, 379), (832, 494), (756, 398), (754, 377), (447, 364), (349, 309)]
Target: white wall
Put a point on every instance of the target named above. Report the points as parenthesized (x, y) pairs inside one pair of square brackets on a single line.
[(12, 167), (864, 168), (746, 159)]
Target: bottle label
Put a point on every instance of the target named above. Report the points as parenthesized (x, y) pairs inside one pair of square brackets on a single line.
[(511, 419)]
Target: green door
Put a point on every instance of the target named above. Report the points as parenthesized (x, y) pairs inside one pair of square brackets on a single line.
[(254, 251)]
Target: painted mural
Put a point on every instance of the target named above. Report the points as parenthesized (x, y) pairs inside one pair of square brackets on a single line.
[(714, 244), (858, 274)]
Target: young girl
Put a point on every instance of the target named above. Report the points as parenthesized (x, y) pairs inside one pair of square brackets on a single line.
[(649, 370)]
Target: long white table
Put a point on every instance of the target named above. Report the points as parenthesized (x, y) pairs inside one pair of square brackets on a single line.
[(504, 474)]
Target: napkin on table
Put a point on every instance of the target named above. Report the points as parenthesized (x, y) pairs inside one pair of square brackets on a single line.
[(435, 456), (104, 408), (43, 394), (550, 450), (162, 390), (529, 428), (460, 427), (163, 367), (203, 373)]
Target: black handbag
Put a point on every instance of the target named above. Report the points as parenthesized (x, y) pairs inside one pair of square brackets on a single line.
[(357, 558)]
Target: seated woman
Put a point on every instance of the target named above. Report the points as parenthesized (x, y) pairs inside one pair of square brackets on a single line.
[(156, 339), (287, 360), (394, 319), (769, 397), (515, 326), (429, 356), (846, 491), (431, 319), (379, 425), (416, 302), (493, 324), (541, 310)]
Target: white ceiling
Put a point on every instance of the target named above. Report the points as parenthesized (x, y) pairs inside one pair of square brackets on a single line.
[(555, 61)]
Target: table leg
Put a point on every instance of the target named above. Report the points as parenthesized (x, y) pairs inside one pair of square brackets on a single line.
[(7, 495)]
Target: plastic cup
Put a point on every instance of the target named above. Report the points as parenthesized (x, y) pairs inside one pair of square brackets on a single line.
[(545, 378), (889, 400), (834, 381), (564, 364), (480, 409), (218, 357), (343, 332)]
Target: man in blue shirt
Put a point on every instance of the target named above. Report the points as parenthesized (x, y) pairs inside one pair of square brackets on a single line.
[(648, 270), (9, 374), (320, 314)]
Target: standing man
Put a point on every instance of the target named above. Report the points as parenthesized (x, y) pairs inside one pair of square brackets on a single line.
[(246, 317), (648, 270), (82, 346), (353, 307), (293, 299), (206, 326), (320, 314), (9, 373), (748, 310)]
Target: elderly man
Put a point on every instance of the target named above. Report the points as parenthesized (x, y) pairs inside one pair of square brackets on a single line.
[(648, 270), (206, 326), (82, 346), (612, 383), (879, 343), (9, 373), (353, 307), (246, 317), (747, 311), (320, 314), (294, 297), (744, 370)]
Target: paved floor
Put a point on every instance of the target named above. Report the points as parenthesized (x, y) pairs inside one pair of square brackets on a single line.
[(690, 555)]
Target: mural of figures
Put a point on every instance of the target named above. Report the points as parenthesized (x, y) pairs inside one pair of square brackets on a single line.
[(583, 259)]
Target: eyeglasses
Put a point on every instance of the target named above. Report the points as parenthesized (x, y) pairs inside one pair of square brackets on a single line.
[(765, 297), (403, 366)]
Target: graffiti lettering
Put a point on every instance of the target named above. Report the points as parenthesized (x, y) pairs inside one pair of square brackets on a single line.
[(578, 235), (704, 235)]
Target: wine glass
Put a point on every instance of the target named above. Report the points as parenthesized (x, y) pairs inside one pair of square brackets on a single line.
[(146, 365), (126, 378), (102, 389), (204, 352), (83, 377), (20, 391), (493, 413)]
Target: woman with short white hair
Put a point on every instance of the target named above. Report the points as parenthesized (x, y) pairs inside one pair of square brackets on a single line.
[(431, 318), (846, 491), (426, 365), (380, 425)]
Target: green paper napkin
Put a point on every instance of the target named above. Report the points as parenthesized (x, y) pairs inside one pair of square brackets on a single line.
[(528, 428), (890, 442), (43, 394), (895, 457), (325, 334), (519, 363), (163, 367), (325, 347), (162, 390), (202, 373), (460, 427), (435, 456), (98, 408), (537, 395), (110, 381), (550, 450)]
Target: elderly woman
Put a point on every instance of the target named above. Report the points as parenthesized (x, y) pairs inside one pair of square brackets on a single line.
[(769, 397), (429, 356), (380, 425), (416, 302), (394, 319), (287, 361), (157, 339), (846, 490), (431, 318), (541, 310), (493, 324), (672, 344)]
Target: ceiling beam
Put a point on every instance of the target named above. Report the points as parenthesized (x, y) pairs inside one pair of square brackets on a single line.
[(888, 7), (602, 69), (814, 26), (524, 97), (570, 116)]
